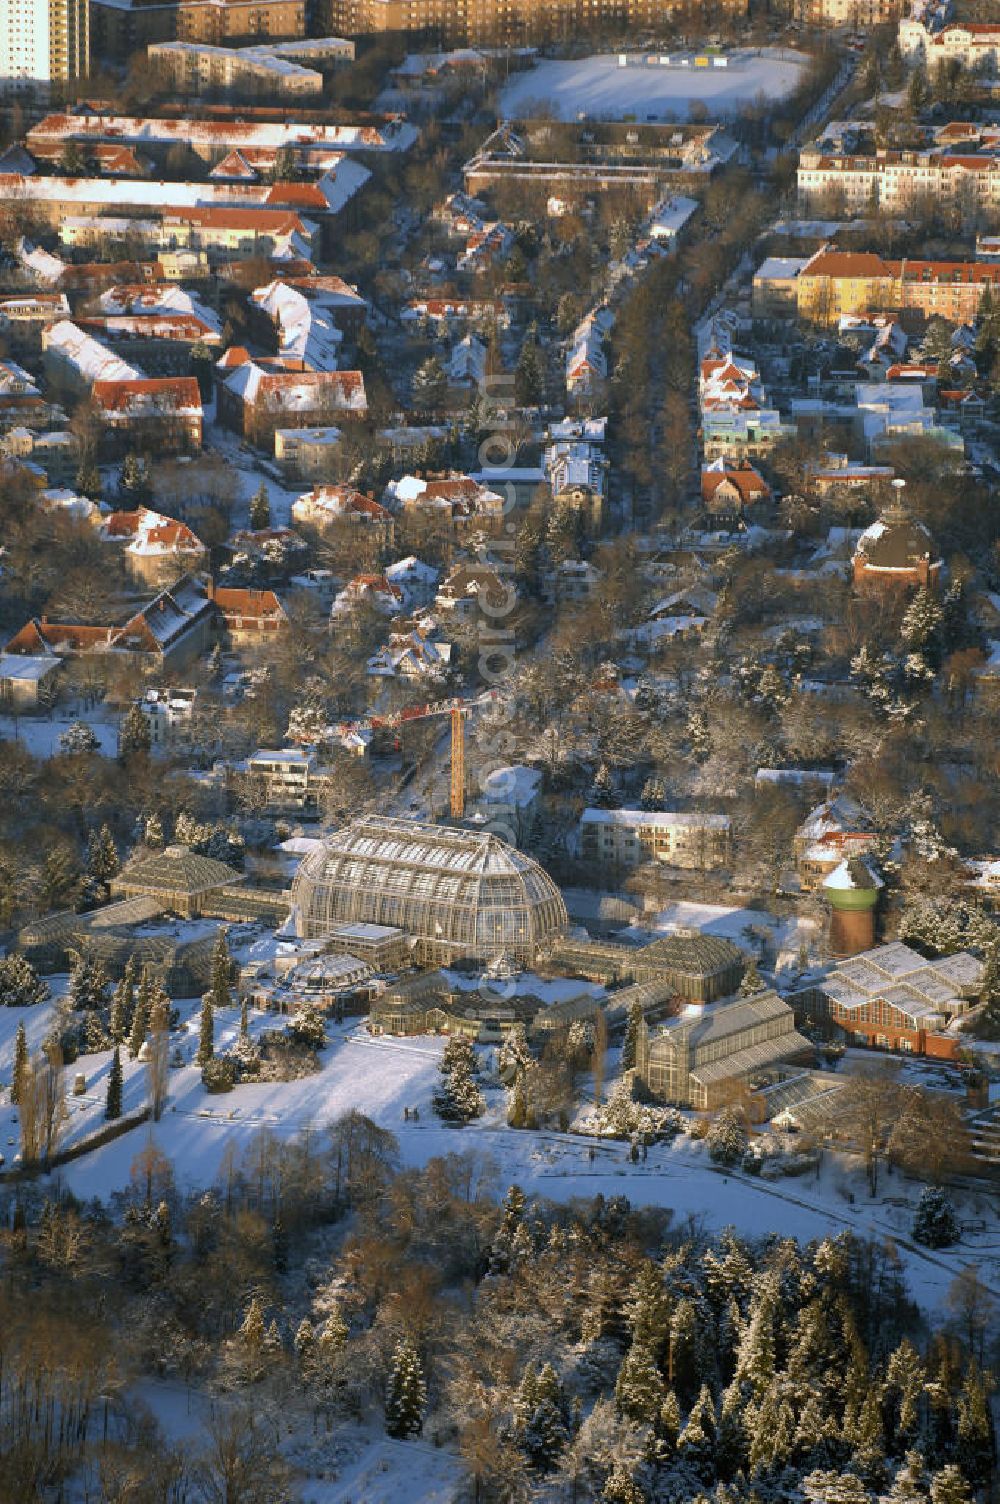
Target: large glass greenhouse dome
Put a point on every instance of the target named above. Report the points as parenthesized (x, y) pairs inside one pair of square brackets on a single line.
[(461, 895)]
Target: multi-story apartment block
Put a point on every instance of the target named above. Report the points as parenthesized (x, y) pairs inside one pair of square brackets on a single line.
[(835, 283), (229, 21), (629, 837), (43, 42), (971, 44), (465, 21), (855, 13), (196, 67), (896, 182)]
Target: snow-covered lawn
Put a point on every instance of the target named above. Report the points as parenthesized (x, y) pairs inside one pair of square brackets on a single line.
[(597, 87), (388, 1472), (786, 936), (382, 1076), (40, 733)]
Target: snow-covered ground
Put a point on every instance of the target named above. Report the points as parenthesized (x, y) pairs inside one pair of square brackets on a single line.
[(248, 475), (382, 1076), (40, 733), (599, 88), (784, 937), (389, 1471)]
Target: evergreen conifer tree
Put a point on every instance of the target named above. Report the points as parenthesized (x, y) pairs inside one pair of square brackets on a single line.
[(975, 1450), (633, 1028), (654, 795), (726, 1139), (113, 1105), (696, 1443), (640, 1390), (152, 832), (752, 981), (141, 1012), (621, 1487), (669, 1427), (407, 1393), (528, 375), (20, 984), (88, 983), (206, 1032), (949, 1487), (935, 1224), (95, 1036), (458, 1098), (123, 1002), (20, 1063), (910, 1483), (134, 737), (260, 509), (545, 1432), (602, 790), (222, 970), (251, 1341)]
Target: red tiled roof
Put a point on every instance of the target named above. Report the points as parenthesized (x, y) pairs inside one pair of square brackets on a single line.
[(169, 392), (233, 601), (747, 482)]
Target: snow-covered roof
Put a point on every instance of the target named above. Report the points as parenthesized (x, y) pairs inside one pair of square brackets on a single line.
[(88, 356), (637, 818)]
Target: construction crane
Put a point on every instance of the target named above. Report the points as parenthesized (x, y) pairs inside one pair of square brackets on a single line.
[(457, 762), (456, 710)]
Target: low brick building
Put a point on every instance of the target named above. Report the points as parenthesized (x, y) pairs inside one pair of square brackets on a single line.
[(891, 998)]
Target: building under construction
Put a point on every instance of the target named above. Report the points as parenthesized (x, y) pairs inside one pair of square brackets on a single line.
[(459, 895)]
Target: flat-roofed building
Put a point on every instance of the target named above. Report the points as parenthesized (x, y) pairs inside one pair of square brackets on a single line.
[(628, 837)]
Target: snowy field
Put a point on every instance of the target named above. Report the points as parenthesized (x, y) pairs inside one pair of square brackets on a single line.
[(40, 733), (382, 1076), (597, 88), (785, 937)]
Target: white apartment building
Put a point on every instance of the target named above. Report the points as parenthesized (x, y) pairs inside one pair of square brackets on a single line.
[(43, 42), (169, 714), (629, 837), (895, 180), (971, 44)]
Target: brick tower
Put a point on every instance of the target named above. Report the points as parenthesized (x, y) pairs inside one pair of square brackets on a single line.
[(852, 891)]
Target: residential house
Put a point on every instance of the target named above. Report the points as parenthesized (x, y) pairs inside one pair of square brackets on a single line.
[(169, 713), (167, 634), (729, 492), (419, 654), (368, 589), (474, 590), (307, 453), (456, 500), (577, 472), (247, 618), (417, 580), (257, 399), (28, 684), (158, 550), (161, 413), (834, 830), (571, 580), (289, 779), (326, 507), (75, 360)]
